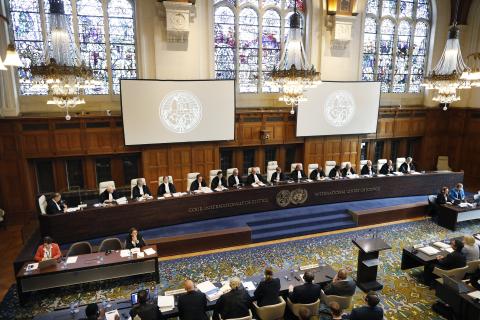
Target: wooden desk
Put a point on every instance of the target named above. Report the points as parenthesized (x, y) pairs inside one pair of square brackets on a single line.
[(99, 222), (463, 306), (412, 258), (88, 268), (449, 215)]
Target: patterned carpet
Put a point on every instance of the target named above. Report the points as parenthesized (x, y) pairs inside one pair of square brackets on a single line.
[(403, 297)]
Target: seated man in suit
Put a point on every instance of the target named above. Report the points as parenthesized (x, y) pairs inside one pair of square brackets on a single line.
[(255, 177), (369, 312), (367, 170), (442, 197), (277, 176), (55, 204), (219, 182), (145, 310), (165, 188), (407, 166), (234, 304), (198, 184), (317, 174), (93, 312), (387, 168), (193, 304), (134, 239), (341, 285), (457, 193), (306, 293), (298, 174), (234, 179), (109, 195), (348, 170), (141, 190), (453, 260), (268, 290), (48, 250), (335, 173)]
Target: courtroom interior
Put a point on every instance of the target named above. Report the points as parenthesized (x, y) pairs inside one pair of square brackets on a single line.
[(240, 159)]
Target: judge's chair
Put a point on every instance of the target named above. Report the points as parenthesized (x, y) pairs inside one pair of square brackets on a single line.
[(272, 163), (250, 170), (329, 165), (344, 164), (363, 163), (104, 184), (110, 244), (212, 174), (294, 165), (296, 307), (271, 312), (343, 301), (311, 167), (133, 183), (380, 163), (79, 248), (160, 180), (270, 170), (192, 176), (42, 204), (398, 163)]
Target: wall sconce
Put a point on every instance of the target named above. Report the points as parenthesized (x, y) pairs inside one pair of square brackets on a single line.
[(12, 58), (342, 7), (332, 7)]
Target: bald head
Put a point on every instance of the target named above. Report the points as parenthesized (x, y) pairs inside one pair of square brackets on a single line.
[(189, 285), (342, 274)]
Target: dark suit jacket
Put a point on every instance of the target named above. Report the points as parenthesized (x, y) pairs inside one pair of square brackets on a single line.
[(129, 244), (344, 172), (146, 311), (333, 173), (366, 313), (192, 306), (136, 191), (104, 195), (232, 182), (294, 174), (274, 177), (306, 293), (251, 179), (441, 199), (452, 261), (403, 168), (234, 304), (161, 189), (365, 170), (52, 207), (194, 186), (384, 169), (215, 183), (267, 292), (314, 173), (344, 288)]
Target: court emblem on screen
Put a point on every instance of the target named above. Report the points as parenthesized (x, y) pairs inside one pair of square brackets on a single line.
[(180, 111), (339, 108)]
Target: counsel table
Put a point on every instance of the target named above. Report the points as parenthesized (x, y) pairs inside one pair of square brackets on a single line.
[(98, 222), (449, 215)]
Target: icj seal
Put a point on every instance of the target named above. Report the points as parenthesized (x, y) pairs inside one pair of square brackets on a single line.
[(180, 111)]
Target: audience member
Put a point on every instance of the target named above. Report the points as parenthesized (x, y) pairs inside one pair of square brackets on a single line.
[(93, 312), (470, 248), (55, 204), (47, 250), (145, 310), (233, 304), (341, 285), (193, 304), (331, 312), (306, 293), (134, 239), (268, 290), (369, 312)]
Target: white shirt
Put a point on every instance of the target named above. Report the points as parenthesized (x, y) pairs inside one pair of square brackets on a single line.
[(349, 172), (299, 174), (167, 188), (256, 178), (219, 182), (110, 197), (318, 175), (278, 177), (369, 171), (141, 190), (59, 209), (408, 167), (47, 252), (237, 182)]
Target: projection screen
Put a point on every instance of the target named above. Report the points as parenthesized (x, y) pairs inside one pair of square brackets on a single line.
[(164, 111), (337, 108)]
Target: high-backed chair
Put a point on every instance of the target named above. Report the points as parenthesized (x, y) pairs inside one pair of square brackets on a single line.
[(344, 164), (473, 266), (42, 204), (110, 244), (212, 174), (272, 163), (398, 163), (250, 170), (344, 302), (457, 273), (104, 184), (271, 312), (380, 163), (133, 183), (296, 307), (311, 167), (190, 178), (160, 179), (329, 165), (270, 171), (363, 163), (293, 166), (79, 248), (442, 163), (249, 317), (230, 172)]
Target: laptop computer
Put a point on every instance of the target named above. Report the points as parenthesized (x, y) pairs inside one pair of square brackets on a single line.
[(47, 263), (457, 286)]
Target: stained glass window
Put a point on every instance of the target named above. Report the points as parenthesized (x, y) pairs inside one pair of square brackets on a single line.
[(103, 29), (395, 43), (248, 40)]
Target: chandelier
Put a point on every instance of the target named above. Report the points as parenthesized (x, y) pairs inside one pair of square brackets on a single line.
[(294, 74), (65, 76)]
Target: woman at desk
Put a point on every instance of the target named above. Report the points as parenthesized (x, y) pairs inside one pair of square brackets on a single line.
[(134, 239), (47, 250)]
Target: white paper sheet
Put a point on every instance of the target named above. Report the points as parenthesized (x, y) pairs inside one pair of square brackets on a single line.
[(248, 285), (166, 303), (474, 294), (149, 251), (32, 266), (110, 315), (124, 253), (72, 259), (428, 250), (442, 245)]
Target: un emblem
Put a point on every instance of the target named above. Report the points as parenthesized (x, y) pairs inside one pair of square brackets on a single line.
[(298, 196), (283, 198), (180, 111)]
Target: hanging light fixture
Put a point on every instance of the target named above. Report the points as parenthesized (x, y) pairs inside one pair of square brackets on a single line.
[(65, 76), (12, 58), (448, 75), (294, 74)]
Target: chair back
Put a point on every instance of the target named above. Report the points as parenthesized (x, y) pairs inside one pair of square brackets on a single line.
[(363, 162), (398, 163), (160, 180), (271, 312), (110, 244), (442, 164), (296, 307), (42, 204), (344, 164), (293, 165), (249, 317), (432, 199), (344, 302), (329, 165), (190, 178), (104, 184), (457, 274), (258, 170), (230, 171), (272, 163), (270, 171), (133, 183), (473, 266), (311, 167), (79, 248), (380, 163), (212, 174)]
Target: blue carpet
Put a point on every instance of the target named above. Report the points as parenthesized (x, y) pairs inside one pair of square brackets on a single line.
[(253, 218)]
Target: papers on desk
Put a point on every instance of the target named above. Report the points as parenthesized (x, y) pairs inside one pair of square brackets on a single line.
[(353, 176), (249, 286), (210, 290), (124, 253), (122, 200), (73, 209), (177, 194), (414, 172), (477, 236), (206, 190), (110, 315), (428, 250), (474, 294), (135, 250), (441, 245), (258, 184), (149, 251), (398, 173), (380, 175), (140, 255), (449, 250), (308, 267), (309, 180), (220, 188), (166, 303), (32, 266), (465, 205), (72, 259)]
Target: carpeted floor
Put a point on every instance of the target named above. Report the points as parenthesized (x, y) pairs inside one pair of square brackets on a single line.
[(403, 297)]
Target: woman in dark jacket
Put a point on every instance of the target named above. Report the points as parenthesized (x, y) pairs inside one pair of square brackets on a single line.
[(134, 239), (268, 290)]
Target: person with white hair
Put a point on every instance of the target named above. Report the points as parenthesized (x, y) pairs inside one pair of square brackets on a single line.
[(234, 179), (233, 304), (141, 190), (109, 195), (407, 166), (255, 177)]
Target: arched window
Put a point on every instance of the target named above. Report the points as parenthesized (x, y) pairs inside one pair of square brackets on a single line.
[(248, 40), (395, 43), (104, 31)]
